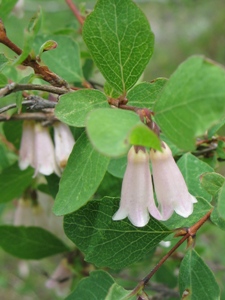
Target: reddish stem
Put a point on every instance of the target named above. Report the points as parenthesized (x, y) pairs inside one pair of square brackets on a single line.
[(190, 232), (75, 11)]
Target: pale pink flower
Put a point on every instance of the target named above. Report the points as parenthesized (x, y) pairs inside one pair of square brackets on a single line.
[(44, 156), (26, 153), (23, 213), (64, 142), (39, 216), (170, 188), (18, 9), (137, 193), (61, 278)]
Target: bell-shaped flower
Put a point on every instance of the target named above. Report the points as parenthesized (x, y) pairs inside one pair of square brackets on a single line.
[(26, 153), (170, 188), (61, 278), (44, 156), (40, 218), (23, 213), (18, 9), (137, 193), (64, 142)]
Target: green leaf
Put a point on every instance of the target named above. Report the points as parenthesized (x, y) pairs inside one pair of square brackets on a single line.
[(13, 133), (201, 208), (117, 292), (105, 242), (48, 45), (110, 91), (212, 182), (120, 40), (192, 168), (94, 287), (13, 182), (218, 214), (35, 23), (213, 130), (53, 184), (5, 7), (109, 129), (191, 102), (30, 242), (3, 61), (74, 107), (4, 160), (142, 135), (196, 280), (29, 36), (3, 80), (117, 166), (220, 149), (65, 59), (110, 186), (81, 177), (145, 94)]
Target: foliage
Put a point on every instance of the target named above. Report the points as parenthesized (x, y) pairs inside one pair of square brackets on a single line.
[(88, 70)]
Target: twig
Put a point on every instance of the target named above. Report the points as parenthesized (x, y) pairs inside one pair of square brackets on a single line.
[(75, 11), (33, 103), (38, 116), (16, 87), (41, 70), (190, 233)]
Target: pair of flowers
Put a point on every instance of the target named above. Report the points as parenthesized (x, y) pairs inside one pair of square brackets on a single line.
[(137, 197), (38, 151)]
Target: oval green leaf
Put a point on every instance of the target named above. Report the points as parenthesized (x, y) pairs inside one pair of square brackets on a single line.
[(83, 174), (115, 244), (30, 242), (73, 108), (120, 41), (191, 102)]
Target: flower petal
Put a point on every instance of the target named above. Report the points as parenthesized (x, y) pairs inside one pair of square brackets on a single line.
[(44, 160), (64, 142), (26, 153), (137, 190), (170, 187)]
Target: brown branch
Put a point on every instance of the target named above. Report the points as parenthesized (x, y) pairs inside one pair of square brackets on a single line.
[(41, 70), (32, 103), (75, 11), (190, 233), (15, 87), (37, 116)]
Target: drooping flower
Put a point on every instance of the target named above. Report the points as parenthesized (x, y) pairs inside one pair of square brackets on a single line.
[(44, 155), (170, 187), (137, 193), (39, 216), (61, 278), (26, 153), (18, 9), (64, 142), (23, 213)]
